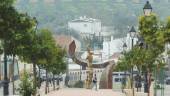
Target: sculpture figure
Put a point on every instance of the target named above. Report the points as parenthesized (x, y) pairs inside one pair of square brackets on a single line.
[(106, 77), (89, 69)]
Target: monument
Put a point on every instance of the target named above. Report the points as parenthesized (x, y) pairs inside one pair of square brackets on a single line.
[(106, 77), (90, 69)]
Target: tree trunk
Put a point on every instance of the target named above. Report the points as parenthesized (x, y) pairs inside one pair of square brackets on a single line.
[(35, 80), (18, 69), (39, 82), (140, 79), (48, 80), (46, 85), (0, 67), (58, 82), (146, 83), (13, 82), (53, 83), (149, 83)]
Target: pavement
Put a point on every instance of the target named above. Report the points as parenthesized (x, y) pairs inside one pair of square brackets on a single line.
[(63, 91), (10, 88), (84, 92)]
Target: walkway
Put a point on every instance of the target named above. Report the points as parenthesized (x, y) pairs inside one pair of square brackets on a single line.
[(84, 92)]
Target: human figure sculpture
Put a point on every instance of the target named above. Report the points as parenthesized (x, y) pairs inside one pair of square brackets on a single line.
[(105, 82), (89, 69)]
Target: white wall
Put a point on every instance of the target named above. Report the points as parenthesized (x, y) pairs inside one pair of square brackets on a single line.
[(113, 46), (75, 75), (116, 45), (86, 27)]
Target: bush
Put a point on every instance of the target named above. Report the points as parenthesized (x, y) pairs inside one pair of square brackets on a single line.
[(26, 87), (79, 84)]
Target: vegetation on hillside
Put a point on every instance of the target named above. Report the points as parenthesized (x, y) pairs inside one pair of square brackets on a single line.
[(118, 14)]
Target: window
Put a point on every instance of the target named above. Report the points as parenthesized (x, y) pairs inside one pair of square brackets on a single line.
[(115, 74), (116, 79)]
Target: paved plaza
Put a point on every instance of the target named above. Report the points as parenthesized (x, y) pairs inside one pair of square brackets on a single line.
[(85, 92)]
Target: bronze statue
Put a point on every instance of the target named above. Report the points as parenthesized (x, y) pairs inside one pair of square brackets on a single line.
[(89, 69), (106, 77)]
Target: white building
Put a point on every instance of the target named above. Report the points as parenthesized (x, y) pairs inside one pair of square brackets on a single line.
[(85, 26), (112, 45)]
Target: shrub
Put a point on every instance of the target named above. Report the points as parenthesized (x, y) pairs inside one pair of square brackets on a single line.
[(26, 87), (78, 84)]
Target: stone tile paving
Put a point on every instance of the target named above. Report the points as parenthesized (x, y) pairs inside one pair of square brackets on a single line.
[(84, 92)]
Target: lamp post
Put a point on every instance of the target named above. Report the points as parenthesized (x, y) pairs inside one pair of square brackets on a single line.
[(80, 72), (6, 80), (141, 45), (147, 9), (168, 54), (1, 51), (132, 33)]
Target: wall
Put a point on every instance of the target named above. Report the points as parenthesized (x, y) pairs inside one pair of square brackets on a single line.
[(75, 75), (86, 27)]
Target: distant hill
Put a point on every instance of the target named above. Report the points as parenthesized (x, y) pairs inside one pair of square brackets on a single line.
[(55, 14)]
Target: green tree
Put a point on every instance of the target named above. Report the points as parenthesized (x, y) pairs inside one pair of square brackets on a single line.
[(12, 25), (166, 32), (58, 64), (46, 53), (150, 30), (22, 29), (30, 53), (134, 57)]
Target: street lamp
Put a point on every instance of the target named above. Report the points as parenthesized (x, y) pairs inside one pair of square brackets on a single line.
[(147, 9), (167, 46), (132, 33), (80, 72), (140, 42)]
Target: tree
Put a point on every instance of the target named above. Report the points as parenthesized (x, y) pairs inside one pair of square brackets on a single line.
[(58, 64), (149, 30), (13, 24), (22, 30), (134, 57), (48, 53), (30, 53)]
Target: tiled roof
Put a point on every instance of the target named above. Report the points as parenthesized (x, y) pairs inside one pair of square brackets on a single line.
[(63, 40)]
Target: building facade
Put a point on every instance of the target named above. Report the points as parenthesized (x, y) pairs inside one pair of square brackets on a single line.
[(85, 26), (77, 74)]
